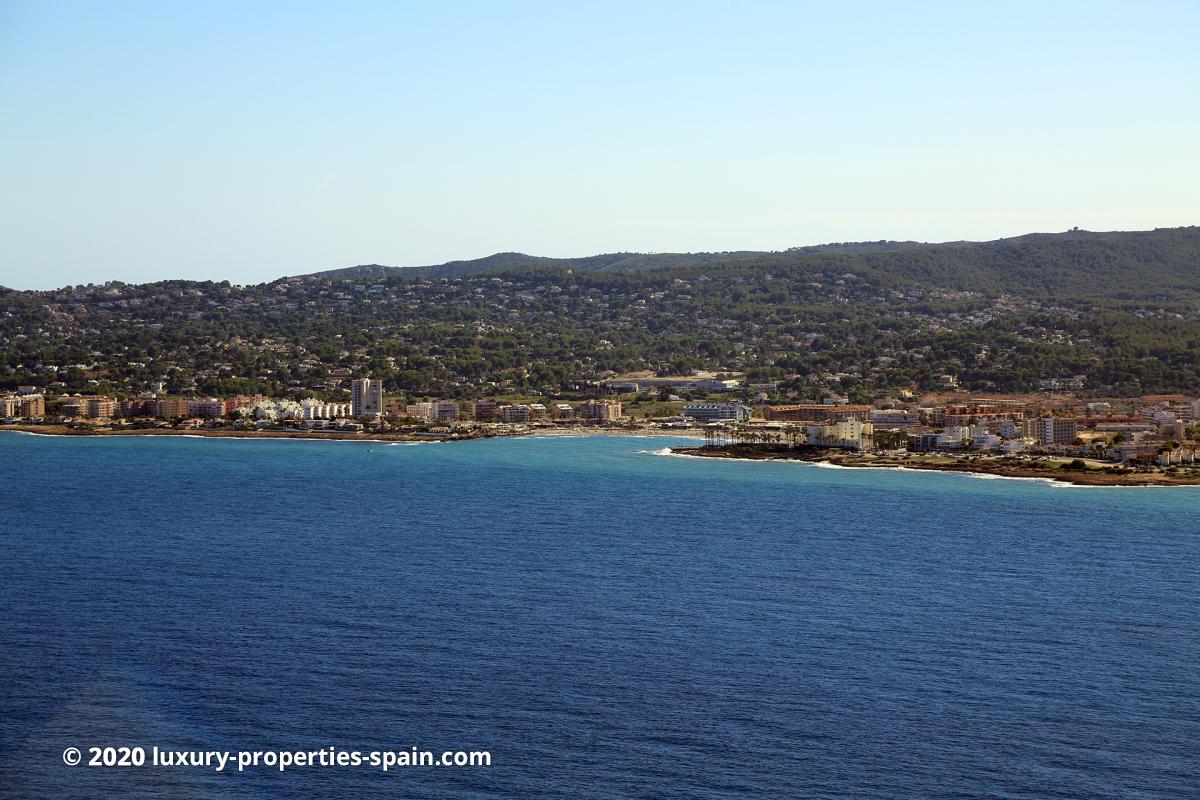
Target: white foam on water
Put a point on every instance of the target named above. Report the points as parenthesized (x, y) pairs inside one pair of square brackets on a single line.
[(666, 451)]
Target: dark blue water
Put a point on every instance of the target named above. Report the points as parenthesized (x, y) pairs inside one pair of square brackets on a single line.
[(605, 621)]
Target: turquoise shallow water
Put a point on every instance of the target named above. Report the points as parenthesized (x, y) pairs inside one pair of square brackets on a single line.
[(607, 621)]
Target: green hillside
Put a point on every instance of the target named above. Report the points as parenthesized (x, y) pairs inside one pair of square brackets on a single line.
[(1139, 265)]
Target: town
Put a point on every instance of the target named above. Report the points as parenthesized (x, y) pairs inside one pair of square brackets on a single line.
[(1151, 431)]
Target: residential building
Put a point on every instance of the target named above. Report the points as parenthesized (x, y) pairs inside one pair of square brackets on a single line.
[(564, 411), (887, 418), (716, 412), (422, 411), (986, 441), (514, 413), (170, 406), (366, 398), (716, 384), (600, 410), (485, 410), (139, 407), (88, 406), (816, 412), (209, 408), (395, 407), (23, 405), (1056, 430), (848, 434), (312, 409), (445, 410), (954, 437), (101, 407)]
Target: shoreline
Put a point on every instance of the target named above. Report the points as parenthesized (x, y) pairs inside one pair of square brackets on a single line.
[(338, 436), (983, 466)]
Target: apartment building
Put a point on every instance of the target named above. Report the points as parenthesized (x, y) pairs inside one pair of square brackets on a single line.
[(1056, 430), (366, 398), (23, 405), (600, 410), (848, 434), (514, 414), (445, 410), (486, 410), (816, 412), (716, 412)]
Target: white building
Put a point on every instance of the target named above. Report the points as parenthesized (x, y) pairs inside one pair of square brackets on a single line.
[(716, 412), (954, 436), (986, 441), (422, 411), (1017, 445), (311, 408), (847, 434), (716, 384), (366, 399)]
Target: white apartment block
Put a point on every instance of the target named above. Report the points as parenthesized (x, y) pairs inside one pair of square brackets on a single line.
[(366, 399)]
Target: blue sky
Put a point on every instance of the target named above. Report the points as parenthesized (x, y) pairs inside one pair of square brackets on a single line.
[(246, 141)]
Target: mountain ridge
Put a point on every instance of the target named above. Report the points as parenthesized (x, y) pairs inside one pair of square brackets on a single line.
[(1071, 260)]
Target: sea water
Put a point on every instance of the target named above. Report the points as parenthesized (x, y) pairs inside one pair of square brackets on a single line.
[(604, 619)]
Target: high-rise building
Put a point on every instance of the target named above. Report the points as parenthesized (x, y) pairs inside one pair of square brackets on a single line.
[(850, 433), (171, 406), (23, 405), (445, 409), (602, 410), (1056, 430), (422, 411), (486, 410), (514, 414), (366, 399)]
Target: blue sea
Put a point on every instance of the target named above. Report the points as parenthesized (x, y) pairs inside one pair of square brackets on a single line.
[(606, 620)]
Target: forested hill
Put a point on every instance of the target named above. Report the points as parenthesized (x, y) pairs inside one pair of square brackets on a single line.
[(1159, 264), (1111, 314)]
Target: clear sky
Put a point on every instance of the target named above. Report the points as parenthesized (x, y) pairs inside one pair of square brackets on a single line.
[(250, 140)]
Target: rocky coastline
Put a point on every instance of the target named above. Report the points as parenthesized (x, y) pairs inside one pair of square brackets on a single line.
[(1061, 470)]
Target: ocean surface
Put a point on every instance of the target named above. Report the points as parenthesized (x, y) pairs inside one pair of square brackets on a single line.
[(606, 620)]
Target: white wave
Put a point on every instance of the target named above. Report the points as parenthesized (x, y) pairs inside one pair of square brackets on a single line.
[(666, 451)]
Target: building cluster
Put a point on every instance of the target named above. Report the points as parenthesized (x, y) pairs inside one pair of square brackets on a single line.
[(28, 403), (1158, 429), (368, 404)]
